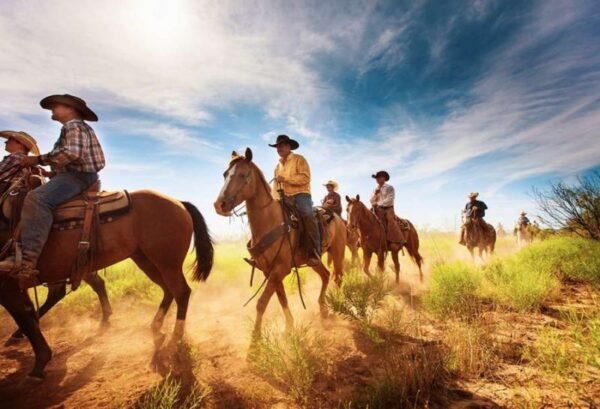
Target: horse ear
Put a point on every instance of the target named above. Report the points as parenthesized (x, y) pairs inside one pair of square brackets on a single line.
[(234, 154), (347, 199), (248, 155), (357, 197)]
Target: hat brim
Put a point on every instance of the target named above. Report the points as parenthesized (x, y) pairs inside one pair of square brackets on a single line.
[(30, 144), (386, 177), (293, 144), (85, 112)]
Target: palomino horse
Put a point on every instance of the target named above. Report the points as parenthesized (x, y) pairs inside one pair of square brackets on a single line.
[(475, 237), (373, 238), (524, 234), (156, 234), (244, 182)]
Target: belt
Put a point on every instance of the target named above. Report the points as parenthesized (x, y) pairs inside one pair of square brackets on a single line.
[(385, 207)]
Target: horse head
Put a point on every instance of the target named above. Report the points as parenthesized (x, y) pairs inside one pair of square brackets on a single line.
[(242, 178), (354, 210)]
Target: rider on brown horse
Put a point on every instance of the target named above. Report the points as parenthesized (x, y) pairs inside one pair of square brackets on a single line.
[(75, 160), (474, 209), (292, 174), (382, 201), (18, 145), (332, 200)]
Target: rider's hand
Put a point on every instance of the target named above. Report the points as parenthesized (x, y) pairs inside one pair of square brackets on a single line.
[(280, 179), (29, 161)]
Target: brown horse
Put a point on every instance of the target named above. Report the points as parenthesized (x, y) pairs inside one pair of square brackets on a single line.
[(476, 237), (373, 238), (353, 243), (156, 234), (244, 182)]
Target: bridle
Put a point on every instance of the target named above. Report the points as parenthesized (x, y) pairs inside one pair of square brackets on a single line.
[(233, 197)]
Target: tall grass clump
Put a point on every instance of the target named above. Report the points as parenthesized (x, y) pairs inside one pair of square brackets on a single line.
[(571, 351), (406, 378), (517, 285), (292, 359), (168, 394), (571, 258), (359, 298), (473, 350), (454, 291)]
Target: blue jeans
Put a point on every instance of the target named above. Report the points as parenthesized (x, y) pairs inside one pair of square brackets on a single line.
[(37, 217), (304, 204)]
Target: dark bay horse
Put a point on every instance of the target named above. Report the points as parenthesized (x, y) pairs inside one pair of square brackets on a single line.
[(475, 236), (245, 182), (156, 234), (373, 238)]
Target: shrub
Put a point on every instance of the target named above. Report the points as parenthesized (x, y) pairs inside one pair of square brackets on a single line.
[(520, 287), (292, 359), (453, 290), (359, 298), (473, 351), (167, 394)]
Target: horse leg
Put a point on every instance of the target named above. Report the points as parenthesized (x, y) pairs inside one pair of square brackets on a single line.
[(367, 261), (281, 295), (154, 274), (381, 261), (262, 303), (55, 294), (99, 287), (19, 306), (396, 265), (324, 274)]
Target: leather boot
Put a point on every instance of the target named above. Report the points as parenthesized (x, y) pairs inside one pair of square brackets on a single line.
[(313, 244)]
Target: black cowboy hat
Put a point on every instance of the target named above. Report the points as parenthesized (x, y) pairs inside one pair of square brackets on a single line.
[(74, 102), (285, 139), (381, 173)]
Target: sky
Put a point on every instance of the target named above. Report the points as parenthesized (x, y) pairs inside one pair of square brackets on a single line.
[(448, 97)]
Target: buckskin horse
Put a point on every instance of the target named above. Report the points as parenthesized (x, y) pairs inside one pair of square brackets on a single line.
[(476, 237), (373, 238), (155, 232), (245, 182), (524, 234)]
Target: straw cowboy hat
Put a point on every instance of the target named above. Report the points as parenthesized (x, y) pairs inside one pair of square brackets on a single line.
[(24, 139), (333, 183), (74, 102), (285, 139), (473, 195), (381, 173), (523, 213)]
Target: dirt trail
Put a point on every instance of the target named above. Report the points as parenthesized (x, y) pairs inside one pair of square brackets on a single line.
[(110, 367)]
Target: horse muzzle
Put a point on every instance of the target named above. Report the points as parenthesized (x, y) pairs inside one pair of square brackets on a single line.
[(223, 207)]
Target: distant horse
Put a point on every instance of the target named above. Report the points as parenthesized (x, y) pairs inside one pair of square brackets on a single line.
[(155, 233), (524, 234), (373, 238), (475, 236), (280, 247)]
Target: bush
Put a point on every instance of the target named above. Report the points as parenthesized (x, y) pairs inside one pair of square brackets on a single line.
[(168, 393), (473, 350), (292, 359), (515, 285), (453, 290), (359, 298), (572, 258)]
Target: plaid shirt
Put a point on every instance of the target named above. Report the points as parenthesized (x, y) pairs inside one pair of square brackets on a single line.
[(77, 150), (9, 166)]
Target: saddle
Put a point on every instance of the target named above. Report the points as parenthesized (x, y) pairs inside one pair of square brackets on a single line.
[(85, 212), (403, 223)]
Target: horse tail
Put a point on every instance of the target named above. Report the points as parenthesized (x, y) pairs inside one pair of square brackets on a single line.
[(203, 244), (412, 246)]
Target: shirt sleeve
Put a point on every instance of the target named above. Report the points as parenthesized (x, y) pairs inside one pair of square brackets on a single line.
[(302, 175), (387, 196), (8, 163), (374, 198), (69, 148)]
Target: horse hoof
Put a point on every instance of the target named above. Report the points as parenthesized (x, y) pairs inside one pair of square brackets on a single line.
[(13, 341), (34, 378)]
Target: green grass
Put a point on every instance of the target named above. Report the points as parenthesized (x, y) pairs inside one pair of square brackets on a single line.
[(167, 394), (359, 298), (454, 290), (293, 359)]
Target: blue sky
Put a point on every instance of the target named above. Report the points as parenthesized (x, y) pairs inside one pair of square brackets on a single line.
[(449, 97)]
